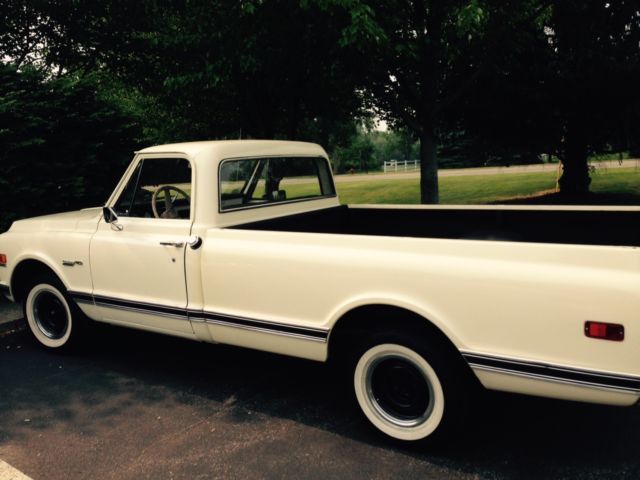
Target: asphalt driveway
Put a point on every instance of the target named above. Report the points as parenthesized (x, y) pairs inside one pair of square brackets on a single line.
[(9, 311), (139, 405)]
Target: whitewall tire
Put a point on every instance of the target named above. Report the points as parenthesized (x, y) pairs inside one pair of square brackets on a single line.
[(410, 387), (399, 392), (53, 319)]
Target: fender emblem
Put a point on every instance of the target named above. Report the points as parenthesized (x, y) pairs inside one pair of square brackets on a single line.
[(71, 263)]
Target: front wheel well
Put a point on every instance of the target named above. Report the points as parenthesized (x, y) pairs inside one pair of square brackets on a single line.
[(23, 275)]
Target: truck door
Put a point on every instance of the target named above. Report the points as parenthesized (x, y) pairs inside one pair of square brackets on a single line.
[(137, 262)]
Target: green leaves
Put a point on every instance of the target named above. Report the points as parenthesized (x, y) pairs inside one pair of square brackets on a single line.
[(62, 145), (470, 20), (364, 30)]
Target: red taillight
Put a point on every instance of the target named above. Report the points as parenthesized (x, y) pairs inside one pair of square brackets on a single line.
[(3, 260), (604, 331)]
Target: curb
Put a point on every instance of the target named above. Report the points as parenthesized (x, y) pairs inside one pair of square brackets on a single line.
[(14, 326)]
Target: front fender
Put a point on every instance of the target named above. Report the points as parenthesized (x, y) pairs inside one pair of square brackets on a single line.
[(64, 253)]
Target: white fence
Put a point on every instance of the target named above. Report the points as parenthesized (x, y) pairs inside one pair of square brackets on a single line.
[(401, 165)]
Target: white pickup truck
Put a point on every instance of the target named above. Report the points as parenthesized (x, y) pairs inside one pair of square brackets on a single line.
[(245, 243)]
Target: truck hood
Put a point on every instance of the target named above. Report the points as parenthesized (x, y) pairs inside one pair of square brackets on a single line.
[(85, 220)]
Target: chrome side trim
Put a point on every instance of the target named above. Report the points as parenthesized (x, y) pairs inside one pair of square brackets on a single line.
[(197, 319), (266, 330), (554, 380), (264, 325), (80, 297), (143, 310), (554, 373), (200, 316), (142, 307)]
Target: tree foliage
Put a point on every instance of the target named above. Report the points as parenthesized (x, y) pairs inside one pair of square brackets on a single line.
[(483, 80), (62, 145), (592, 81), (421, 58), (216, 69), (357, 155), (566, 86), (506, 78)]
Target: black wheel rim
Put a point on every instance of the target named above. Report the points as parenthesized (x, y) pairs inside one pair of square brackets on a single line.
[(50, 315), (400, 389)]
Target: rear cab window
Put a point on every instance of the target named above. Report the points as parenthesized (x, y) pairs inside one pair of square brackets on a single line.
[(256, 182)]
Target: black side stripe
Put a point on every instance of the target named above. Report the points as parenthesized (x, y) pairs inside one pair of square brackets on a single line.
[(232, 321), (554, 372), (310, 333), (141, 307), (81, 297)]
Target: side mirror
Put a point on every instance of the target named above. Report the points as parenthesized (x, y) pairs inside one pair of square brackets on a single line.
[(111, 218)]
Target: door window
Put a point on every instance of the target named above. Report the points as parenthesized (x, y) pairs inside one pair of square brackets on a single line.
[(158, 188)]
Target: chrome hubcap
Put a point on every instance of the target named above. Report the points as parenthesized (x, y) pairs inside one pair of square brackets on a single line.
[(399, 391)]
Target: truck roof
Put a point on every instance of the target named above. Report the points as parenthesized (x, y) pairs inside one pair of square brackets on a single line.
[(239, 148)]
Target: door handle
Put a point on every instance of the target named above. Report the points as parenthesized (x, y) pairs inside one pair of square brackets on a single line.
[(195, 242), (172, 244)]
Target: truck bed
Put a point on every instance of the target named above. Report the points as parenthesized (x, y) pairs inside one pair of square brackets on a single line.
[(619, 226)]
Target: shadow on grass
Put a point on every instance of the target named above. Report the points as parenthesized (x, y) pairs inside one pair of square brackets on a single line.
[(556, 198)]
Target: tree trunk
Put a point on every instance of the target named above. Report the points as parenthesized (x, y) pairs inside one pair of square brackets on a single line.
[(575, 178), (428, 168)]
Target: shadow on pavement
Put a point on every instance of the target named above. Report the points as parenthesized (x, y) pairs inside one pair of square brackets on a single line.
[(135, 374)]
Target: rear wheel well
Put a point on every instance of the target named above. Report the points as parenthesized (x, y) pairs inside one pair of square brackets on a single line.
[(24, 274), (408, 378), (357, 324)]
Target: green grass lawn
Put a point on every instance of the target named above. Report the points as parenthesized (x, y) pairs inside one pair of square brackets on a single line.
[(483, 188)]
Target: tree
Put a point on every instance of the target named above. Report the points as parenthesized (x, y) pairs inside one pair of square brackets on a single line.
[(566, 85), (215, 69), (593, 81), (190, 70), (62, 145), (498, 78), (23, 33), (420, 58), (357, 153), (394, 145)]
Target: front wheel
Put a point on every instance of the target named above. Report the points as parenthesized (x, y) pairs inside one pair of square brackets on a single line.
[(408, 389), (54, 320)]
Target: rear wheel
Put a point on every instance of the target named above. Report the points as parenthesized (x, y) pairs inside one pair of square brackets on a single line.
[(54, 320), (408, 387)]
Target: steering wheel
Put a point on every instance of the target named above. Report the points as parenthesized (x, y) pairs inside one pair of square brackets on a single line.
[(169, 210)]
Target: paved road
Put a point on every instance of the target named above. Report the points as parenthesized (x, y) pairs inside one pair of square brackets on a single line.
[(145, 406), (9, 311), (460, 172)]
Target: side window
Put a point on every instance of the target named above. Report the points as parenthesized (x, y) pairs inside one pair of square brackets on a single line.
[(158, 188), (257, 181)]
